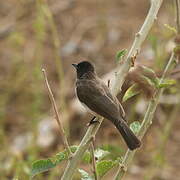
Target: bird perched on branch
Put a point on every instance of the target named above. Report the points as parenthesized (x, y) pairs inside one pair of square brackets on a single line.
[(93, 93)]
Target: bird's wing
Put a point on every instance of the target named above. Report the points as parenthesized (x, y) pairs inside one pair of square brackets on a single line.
[(121, 109), (95, 97)]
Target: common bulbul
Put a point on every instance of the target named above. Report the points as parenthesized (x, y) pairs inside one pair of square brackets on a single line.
[(93, 93)]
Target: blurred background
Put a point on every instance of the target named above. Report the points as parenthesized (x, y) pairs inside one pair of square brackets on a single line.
[(53, 34)]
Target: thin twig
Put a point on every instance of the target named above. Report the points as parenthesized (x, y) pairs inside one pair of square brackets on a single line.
[(122, 72), (177, 6), (147, 121), (94, 159), (57, 117)]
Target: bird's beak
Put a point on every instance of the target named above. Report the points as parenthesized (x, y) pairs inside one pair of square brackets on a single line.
[(75, 65)]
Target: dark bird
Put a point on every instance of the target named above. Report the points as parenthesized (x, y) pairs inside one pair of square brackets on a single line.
[(97, 98)]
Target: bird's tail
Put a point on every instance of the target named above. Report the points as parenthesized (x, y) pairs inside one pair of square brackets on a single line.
[(129, 137)]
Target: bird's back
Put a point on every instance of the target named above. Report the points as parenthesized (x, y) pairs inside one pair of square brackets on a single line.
[(97, 97)]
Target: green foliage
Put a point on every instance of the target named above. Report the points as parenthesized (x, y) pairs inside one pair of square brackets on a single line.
[(149, 73), (115, 151), (149, 81), (43, 165), (104, 166), (85, 175), (132, 91), (149, 77), (167, 83), (135, 126), (87, 157), (100, 154), (120, 54), (46, 164)]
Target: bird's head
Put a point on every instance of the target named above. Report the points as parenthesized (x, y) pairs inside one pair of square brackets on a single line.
[(83, 67)]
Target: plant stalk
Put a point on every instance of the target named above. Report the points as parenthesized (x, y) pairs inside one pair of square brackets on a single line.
[(147, 121)]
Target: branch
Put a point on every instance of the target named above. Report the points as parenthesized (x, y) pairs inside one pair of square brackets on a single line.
[(177, 6), (122, 72), (147, 121), (62, 132), (93, 159), (136, 46)]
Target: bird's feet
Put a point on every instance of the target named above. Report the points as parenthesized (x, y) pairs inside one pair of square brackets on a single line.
[(92, 121)]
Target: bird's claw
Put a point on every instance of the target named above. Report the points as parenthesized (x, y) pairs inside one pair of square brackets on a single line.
[(93, 120)]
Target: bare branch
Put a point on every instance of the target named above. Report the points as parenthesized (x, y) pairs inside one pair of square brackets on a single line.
[(57, 117)]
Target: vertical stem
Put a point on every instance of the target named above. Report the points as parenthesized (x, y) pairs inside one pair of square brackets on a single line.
[(177, 6), (93, 159), (147, 121)]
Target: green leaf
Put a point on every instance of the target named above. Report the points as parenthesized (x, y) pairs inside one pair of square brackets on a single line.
[(43, 165), (100, 153), (104, 166), (135, 126), (87, 157), (132, 91), (85, 175), (115, 151), (120, 54), (148, 70), (149, 73), (149, 81), (167, 83)]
